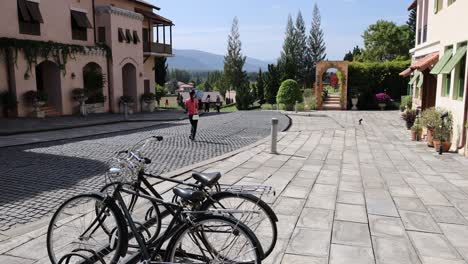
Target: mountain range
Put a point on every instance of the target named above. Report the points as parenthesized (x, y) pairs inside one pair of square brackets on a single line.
[(196, 60)]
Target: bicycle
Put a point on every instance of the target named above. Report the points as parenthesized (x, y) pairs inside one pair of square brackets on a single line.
[(98, 233), (216, 197)]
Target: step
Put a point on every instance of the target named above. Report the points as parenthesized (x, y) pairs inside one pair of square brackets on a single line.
[(331, 107), (50, 111), (332, 100)]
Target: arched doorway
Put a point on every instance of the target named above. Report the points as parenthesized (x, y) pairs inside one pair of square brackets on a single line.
[(48, 80), (341, 74), (129, 82), (93, 83)]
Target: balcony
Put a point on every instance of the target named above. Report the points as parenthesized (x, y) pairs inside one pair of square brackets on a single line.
[(157, 49)]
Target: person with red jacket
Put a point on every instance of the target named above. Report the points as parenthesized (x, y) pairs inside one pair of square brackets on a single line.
[(191, 106)]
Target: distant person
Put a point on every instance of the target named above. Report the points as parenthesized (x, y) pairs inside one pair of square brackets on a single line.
[(191, 105), (207, 103), (166, 103), (218, 103)]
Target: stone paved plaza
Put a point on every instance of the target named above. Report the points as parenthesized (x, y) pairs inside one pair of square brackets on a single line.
[(345, 193), (37, 178)]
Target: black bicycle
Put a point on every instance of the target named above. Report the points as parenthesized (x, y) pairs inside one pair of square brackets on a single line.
[(239, 200), (92, 228)]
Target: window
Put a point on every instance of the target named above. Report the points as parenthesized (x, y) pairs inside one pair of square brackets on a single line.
[(29, 18), (102, 35), (121, 35), (460, 76), (446, 83), (438, 5), (80, 25), (136, 38), (128, 36)]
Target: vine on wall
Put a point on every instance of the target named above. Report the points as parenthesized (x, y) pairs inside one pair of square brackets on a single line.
[(58, 52)]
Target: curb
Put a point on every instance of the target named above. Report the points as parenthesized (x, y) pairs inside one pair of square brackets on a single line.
[(88, 125)]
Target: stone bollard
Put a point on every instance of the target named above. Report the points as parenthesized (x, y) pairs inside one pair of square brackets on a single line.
[(295, 106), (274, 135), (277, 107)]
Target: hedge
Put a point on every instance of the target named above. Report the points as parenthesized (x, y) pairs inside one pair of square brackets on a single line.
[(370, 78)]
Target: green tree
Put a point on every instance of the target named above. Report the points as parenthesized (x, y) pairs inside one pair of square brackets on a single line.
[(180, 75), (289, 93), (385, 41), (207, 87), (412, 25), (260, 87), (288, 59), (354, 55), (159, 92), (301, 49), (316, 43), (234, 62), (272, 83), (160, 70)]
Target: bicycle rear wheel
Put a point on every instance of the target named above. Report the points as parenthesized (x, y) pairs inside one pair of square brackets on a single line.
[(214, 239), (253, 212), (76, 233)]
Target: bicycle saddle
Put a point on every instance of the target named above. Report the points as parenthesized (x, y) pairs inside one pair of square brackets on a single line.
[(189, 195), (207, 179)]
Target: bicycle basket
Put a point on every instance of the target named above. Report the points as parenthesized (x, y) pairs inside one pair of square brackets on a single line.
[(121, 170)]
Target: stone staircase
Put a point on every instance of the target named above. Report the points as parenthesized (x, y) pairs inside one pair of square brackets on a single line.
[(332, 102), (50, 111)]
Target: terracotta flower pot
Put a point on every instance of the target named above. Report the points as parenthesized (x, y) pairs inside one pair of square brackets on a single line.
[(445, 145), (430, 137), (416, 135)]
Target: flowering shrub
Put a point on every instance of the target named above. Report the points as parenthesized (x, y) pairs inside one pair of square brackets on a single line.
[(383, 98)]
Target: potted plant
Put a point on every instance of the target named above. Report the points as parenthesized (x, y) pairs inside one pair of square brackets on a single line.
[(148, 103), (430, 119), (78, 95), (354, 99), (382, 100), (8, 103), (443, 134), (416, 132), (409, 116), (95, 103), (127, 102), (37, 99)]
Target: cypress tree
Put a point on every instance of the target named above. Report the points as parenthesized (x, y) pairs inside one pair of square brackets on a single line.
[(287, 61), (316, 43), (272, 83), (160, 70), (301, 49), (260, 87)]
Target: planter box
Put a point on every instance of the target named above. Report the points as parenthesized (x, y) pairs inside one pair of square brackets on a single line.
[(122, 109), (148, 107), (96, 108)]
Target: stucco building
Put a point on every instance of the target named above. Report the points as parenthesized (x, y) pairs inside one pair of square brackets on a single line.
[(439, 66), (49, 45)]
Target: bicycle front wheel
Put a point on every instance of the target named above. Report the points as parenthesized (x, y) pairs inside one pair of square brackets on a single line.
[(76, 233), (214, 239)]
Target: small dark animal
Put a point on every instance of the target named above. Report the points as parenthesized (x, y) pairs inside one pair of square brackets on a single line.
[(360, 121)]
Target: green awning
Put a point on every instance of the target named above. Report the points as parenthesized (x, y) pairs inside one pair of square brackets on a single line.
[(420, 80), (454, 61), (415, 77), (440, 65)]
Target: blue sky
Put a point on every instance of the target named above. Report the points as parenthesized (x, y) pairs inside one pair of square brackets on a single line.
[(205, 24)]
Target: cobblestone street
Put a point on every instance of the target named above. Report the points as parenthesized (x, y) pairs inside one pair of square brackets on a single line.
[(345, 193), (37, 178)]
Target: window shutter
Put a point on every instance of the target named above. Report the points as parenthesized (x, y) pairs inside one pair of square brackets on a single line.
[(128, 35), (136, 38), (121, 35)]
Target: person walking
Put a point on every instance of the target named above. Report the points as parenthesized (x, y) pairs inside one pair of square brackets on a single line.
[(218, 103), (191, 105), (207, 104)]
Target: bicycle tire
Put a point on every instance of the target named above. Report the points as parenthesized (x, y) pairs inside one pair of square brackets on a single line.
[(154, 210), (117, 239), (268, 243), (238, 228)]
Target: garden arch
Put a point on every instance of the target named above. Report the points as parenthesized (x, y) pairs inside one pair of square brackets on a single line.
[(321, 68)]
